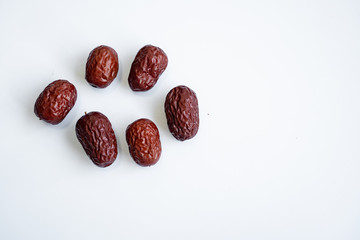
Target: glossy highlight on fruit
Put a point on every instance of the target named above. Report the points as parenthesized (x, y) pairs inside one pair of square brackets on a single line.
[(55, 101), (182, 112), (102, 66), (149, 63), (97, 137), (143, 139)]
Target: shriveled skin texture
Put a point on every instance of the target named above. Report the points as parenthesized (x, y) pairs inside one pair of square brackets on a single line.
[(55, 101), (182, 112), (102, 66), (143, 139), (149, 63), (95, 133)]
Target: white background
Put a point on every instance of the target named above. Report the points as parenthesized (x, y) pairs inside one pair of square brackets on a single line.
[(277, 155)]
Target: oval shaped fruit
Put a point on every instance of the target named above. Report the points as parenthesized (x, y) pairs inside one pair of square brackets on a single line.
[(95, 133), (182, 112), (102, 66), (149, 63), (143, 139), (55, 101)]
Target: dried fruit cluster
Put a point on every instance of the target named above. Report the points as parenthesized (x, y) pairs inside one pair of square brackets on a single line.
[(94, 130)]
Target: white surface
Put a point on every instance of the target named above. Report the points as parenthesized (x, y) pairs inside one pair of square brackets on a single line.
[(277, 154)]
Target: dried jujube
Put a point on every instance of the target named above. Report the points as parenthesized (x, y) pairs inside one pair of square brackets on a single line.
[(55, 101), (182, 112), (97, 137), (149, 63), (102, 66), (143, 139)]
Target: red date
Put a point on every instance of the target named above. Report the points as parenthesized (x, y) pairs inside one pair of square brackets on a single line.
[(97, 137), (149, 63), (102, 66), (182, 112), (143, 139), (55, 101)]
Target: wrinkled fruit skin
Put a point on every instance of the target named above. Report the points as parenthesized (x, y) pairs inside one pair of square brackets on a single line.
[(149, 63), (182, 112), (102, 66), (95, 133), (55, 101), (143, 139)]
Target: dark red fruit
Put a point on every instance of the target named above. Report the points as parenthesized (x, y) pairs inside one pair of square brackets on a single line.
[(149, 63), (55, 101), (102, 66), (143, 139), (95, 133), (182, 112)]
